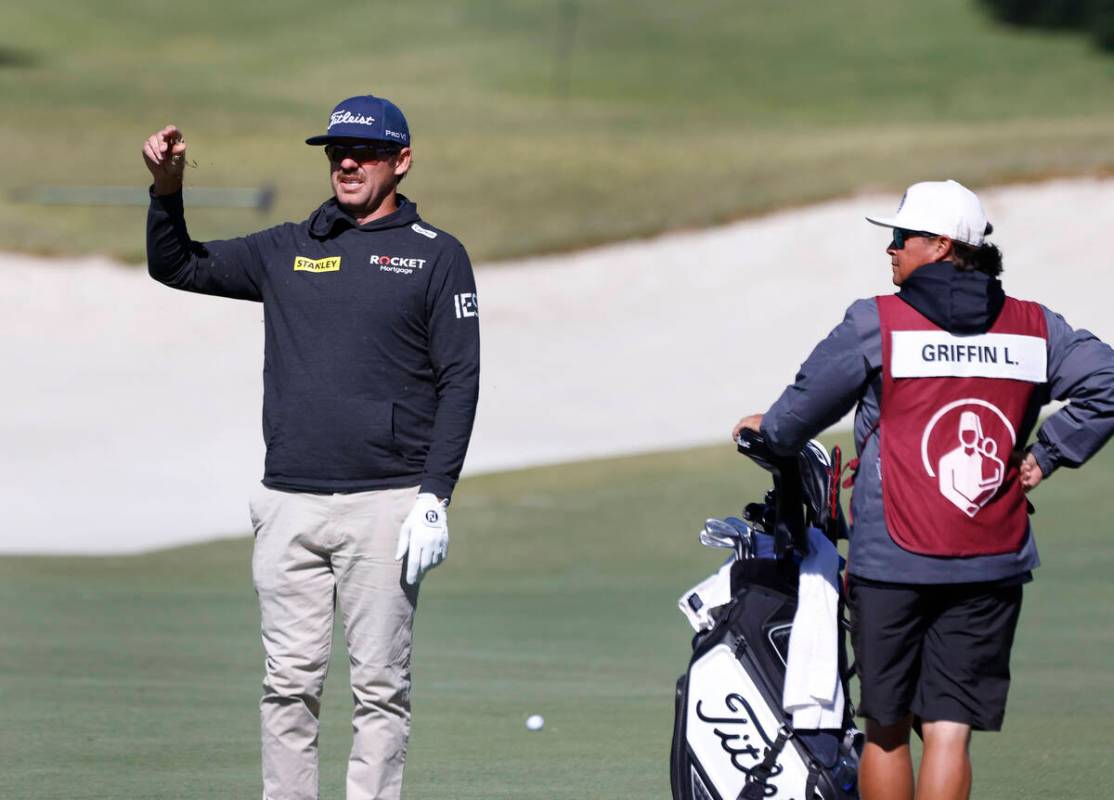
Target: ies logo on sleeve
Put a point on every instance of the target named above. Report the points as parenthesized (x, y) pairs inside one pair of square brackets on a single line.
[(466, 305)]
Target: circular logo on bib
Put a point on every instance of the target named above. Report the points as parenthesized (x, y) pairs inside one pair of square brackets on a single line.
[(965, 447)]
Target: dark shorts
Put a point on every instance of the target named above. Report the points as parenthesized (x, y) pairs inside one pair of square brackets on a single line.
[(939, 652)]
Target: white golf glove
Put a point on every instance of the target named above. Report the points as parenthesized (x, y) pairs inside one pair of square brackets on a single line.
[(425, 536)]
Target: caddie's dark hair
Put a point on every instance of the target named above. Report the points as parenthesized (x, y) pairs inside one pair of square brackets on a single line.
[(986, 258)]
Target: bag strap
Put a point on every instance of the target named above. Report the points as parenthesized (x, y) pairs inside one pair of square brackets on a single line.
[(758, 779), (813, 781), (834, 475)]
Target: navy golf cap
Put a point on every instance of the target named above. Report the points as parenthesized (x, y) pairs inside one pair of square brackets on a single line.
[(366, 117)]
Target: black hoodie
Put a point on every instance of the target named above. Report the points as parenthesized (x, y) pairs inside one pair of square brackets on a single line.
[(959, 302), (371, 365)]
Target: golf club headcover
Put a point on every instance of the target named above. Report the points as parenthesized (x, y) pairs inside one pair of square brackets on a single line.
[(424, 537)]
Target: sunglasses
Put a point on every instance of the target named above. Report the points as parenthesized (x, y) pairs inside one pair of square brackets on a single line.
[(360, 153), (901, 235)]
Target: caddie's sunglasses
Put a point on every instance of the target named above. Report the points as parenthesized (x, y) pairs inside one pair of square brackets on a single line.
[(360, 153), (901, 235)]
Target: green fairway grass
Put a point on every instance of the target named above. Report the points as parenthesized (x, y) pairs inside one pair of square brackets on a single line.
[(538, 126), (138, 677)]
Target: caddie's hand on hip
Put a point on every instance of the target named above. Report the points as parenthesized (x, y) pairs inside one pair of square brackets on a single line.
[(424, 538), (1031, 473), (751, 423), (164, 153)]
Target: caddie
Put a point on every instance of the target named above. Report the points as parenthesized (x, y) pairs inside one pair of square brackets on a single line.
[(370, 382), (948, 375)]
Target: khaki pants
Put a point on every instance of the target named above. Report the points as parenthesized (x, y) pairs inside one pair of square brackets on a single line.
[(313, 553)]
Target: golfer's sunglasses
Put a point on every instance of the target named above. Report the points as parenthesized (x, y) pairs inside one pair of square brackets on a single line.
[(360, 153), (901, 235)]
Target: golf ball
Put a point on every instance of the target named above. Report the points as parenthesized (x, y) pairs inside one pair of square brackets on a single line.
[(534, 722)]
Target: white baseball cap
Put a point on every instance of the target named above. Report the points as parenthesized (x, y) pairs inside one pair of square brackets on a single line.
[(946, 208)]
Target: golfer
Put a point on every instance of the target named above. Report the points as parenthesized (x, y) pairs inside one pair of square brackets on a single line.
[(948, 375), (370, 381)]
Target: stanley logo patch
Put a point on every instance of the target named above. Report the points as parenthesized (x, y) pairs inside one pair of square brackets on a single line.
[(303, 264)]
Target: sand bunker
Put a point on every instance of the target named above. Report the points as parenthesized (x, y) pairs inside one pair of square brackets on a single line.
[(131, 417)]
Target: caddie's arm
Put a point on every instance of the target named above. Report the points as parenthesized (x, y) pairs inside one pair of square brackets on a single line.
[(827, 386), (231, 268), (1081, 371)]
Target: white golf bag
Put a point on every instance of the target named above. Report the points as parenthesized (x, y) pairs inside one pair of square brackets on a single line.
[(731, 738)]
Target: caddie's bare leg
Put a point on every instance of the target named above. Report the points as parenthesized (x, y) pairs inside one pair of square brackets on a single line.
[(945, 772), (886, 771)]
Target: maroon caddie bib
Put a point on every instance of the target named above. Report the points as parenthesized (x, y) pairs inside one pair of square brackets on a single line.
[(951, 410)]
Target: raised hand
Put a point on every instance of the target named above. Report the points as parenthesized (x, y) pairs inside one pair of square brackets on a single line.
[(165, 155)]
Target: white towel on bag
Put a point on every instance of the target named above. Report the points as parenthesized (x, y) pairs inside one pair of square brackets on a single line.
[(712, 592), (813, 691)]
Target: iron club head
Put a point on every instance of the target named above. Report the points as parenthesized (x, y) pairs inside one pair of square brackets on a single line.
[(717, 533)]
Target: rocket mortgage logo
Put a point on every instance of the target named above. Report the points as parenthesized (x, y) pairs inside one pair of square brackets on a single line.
[(399, 265)]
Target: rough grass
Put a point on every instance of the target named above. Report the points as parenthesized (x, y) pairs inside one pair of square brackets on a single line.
[(138, 677), (539, 125)]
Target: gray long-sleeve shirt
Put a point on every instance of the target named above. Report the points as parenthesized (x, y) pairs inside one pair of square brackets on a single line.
[(845, 369)]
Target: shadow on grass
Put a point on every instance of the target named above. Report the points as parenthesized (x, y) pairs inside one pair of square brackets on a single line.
[(15, 58)]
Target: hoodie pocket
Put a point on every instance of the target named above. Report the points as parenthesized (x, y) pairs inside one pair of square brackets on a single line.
[(378, 418), (360, 427)]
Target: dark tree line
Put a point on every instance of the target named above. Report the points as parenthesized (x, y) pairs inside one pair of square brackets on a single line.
[(1095, 17)]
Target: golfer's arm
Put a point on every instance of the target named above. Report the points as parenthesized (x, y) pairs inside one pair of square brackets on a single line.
[(1081, 371), (828, 384), (229, 268), (454, 348)]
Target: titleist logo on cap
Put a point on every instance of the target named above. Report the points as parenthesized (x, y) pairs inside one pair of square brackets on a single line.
[(338, 117)]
